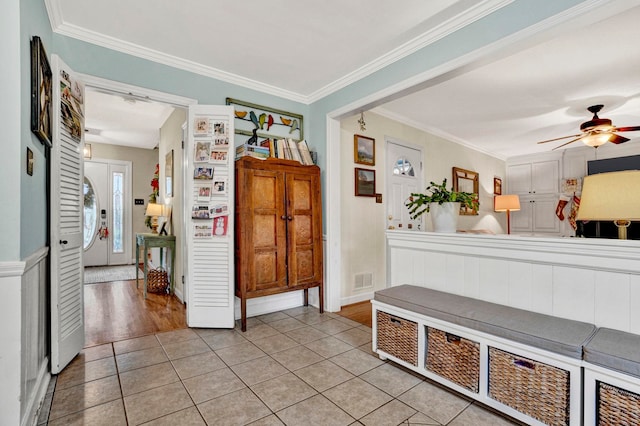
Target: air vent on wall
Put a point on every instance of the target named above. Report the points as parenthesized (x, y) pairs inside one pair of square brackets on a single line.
[(364, 280)]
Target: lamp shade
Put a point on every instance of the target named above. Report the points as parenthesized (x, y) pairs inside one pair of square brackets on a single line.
[(154, 209), (505, 203), (611, 196)]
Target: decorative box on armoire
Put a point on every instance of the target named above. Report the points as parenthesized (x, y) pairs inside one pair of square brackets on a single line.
[(278, 234)]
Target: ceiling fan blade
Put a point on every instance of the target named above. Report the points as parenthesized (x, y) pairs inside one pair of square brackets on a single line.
[(563, 137), (626, 129), (617, 139), (567, 143)]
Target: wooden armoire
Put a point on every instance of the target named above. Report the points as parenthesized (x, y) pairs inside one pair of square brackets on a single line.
[(278, 232)]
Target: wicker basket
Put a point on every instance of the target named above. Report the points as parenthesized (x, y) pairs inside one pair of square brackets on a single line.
[(157, 281), (398, 337), (536, 389), (454, 358), (617, 406)]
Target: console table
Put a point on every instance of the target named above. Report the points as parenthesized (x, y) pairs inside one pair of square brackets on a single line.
[(147, 241)]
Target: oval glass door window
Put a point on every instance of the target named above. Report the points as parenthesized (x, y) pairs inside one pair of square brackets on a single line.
[(90, 213), (403, 167)]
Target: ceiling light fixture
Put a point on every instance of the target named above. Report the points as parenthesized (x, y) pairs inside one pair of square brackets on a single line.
[(596, 139)]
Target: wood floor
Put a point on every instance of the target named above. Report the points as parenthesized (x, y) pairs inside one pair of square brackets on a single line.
[(117, 311), (359, 312)]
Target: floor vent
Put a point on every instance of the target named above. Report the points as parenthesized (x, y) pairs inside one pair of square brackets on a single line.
[(363, 280)]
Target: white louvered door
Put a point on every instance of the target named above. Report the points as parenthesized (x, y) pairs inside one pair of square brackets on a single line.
[(209, 201), (67, 305)]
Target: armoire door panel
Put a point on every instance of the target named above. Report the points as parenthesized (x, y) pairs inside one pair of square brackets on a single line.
[(300, 186), (265, 230), (266, 189), (266, 274)]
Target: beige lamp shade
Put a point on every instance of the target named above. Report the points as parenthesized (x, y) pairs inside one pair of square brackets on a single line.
[(505, 203), (611, 196), (154, 210)]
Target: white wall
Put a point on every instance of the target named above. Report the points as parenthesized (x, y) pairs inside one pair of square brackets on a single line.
[(171, 139), (363, 220)]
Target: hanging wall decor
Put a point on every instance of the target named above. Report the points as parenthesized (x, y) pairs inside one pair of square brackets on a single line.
[(268, 123), (364, 150), (41, 92)]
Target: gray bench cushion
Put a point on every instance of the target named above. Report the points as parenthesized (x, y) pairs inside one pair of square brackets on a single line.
[(616, 350), (558, 335)]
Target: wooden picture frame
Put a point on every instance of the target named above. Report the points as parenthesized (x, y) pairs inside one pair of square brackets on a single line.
[(365, 182), (41, 92), (497, 186), (270, 123), (168, 174), (364, 150), (466, 181)]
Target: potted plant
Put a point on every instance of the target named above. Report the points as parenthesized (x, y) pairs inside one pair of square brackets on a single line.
[(444, 204)]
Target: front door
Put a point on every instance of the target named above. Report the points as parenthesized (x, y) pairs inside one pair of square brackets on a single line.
[(67, 303), (107, 213), (404, 171)]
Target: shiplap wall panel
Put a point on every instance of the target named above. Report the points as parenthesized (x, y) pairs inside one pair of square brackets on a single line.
[(611, 289), (592, 281)]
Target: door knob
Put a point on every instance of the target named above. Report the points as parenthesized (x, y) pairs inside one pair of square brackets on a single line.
[(63, 242), (289, 217), (283, 217)]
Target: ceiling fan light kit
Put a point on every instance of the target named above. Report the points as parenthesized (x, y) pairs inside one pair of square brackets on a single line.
[(597, 131)]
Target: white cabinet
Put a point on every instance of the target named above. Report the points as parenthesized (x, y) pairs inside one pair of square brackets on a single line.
[(537, 215), (538, 177)]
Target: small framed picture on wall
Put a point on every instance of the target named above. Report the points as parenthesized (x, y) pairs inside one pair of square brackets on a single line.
[(364, 150), (365, 182), (497, 186)]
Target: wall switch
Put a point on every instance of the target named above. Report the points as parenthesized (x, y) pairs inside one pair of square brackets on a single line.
[(139, 202)]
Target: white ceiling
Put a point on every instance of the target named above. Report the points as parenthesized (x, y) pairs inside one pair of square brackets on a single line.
[(303, 51)]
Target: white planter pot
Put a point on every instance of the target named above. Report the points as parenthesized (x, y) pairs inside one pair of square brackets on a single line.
[(444, 217)]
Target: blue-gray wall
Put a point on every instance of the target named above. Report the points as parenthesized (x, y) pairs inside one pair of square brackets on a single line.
[(26, 224)]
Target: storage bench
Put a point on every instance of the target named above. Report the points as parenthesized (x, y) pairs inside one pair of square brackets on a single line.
[(525, 364), (612, 378)]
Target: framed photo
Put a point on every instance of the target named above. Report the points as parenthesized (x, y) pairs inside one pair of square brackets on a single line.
[(41, 92), (204, 193), (201, 126), (30, 162), (168, 174), (364, 150), (201, 151), (219, 156), (497, 186), (203, 173), (365, 185), (219, 187)]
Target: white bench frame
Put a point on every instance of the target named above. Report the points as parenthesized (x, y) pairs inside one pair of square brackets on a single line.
[(593, 373), (572, 365)]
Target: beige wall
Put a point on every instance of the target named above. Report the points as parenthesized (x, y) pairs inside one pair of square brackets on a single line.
[(363, 220), (171, 139), (143, 163)]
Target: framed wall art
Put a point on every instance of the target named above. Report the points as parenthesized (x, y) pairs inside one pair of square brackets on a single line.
[(41, 92), (30, 162), (365, 182), (497, 186), (269, 123), (364, 150)]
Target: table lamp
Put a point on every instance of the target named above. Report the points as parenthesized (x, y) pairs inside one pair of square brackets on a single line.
[(154, 210), (611, 196), (507, 203)]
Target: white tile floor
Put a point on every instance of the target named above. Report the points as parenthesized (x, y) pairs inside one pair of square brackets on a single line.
[(295, 367)]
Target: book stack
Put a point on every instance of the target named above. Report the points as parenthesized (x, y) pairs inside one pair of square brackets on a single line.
[(290, 149), (255, 151)]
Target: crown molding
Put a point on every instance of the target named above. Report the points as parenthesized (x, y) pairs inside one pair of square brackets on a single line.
[(469, 16), (433, 131)]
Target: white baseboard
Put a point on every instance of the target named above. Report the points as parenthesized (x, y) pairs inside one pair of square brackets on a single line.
[(34, 403), (356, 298)]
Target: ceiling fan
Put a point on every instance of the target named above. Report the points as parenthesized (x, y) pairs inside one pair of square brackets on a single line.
[(596, 131)]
